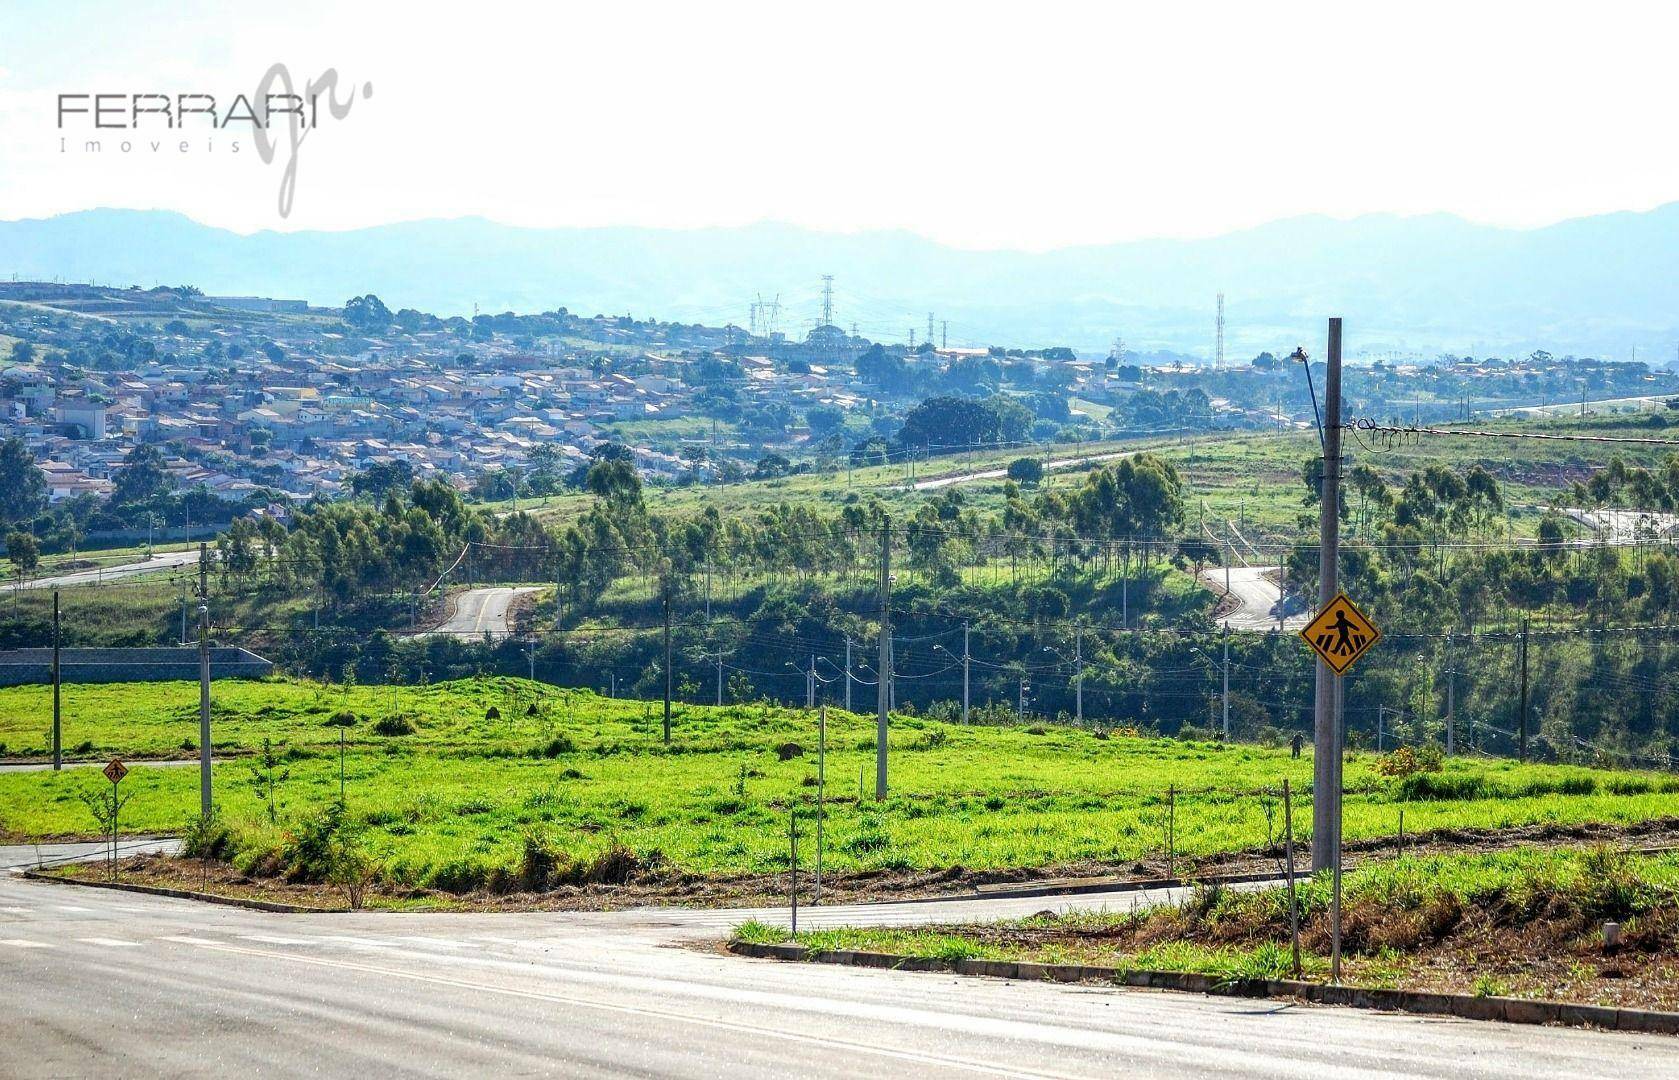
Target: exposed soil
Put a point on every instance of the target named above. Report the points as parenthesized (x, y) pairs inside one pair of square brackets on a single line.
[(663, 884)]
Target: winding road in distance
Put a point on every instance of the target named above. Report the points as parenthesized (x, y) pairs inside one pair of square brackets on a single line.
[(481, 611)]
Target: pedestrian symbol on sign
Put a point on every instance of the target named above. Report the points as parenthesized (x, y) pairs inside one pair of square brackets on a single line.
[(115, 770), (1340, 633)]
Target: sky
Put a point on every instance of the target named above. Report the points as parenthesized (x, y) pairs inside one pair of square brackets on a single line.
[(977, 125)]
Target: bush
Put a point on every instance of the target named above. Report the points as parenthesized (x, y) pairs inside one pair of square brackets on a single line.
[(394, 724), (208, 837), (1427, 787), (341, 718), (553, 748), (789, 750)]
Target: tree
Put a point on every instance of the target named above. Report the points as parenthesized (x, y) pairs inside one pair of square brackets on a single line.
[(367, 313), (770, 466), (824, 419), (23, 352), (23, 486), (22, 551), (1026, 470), (142, 477)]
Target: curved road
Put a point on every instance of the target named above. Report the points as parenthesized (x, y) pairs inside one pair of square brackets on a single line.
[(98, 983), (481, 611), (1256, 599), (163, 560)]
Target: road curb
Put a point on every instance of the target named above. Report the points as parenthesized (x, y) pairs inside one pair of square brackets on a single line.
[(1462, 1006), (186, 894)]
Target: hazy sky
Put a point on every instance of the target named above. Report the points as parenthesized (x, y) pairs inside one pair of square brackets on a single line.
[(1033, 126)]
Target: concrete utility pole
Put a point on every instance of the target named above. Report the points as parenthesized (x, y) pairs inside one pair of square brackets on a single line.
[(667, 659), (719, 677), (1521, 720), (965, 661), (57, 715), (1451, 699), (1226, 682), (205, 803), (1326, 727), (1078, 679), (810, 684), (885, 668), (848, 673)]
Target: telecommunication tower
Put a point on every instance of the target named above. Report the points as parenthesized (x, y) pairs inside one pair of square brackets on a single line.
[(1218, 348)]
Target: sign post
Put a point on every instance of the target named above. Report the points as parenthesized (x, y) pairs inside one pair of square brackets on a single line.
[(114, 771), (1339, 633)]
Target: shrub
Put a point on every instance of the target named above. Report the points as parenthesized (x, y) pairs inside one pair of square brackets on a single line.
[(208, 837), (1438, 787), (394, 724), (789, 750), (538, 860), (553, 748), (341, 718)]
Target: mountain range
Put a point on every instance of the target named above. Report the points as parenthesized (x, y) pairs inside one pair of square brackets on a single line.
[(1603, 285)]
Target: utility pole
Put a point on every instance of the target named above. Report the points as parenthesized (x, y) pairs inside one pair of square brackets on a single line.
[(719, 677), (57, 716), (848, 673), (1521, 721), (1078, 679), (1226, 682), (965, 661), (1451, 699), (1326, 727), (885, 665), (810, 684), (667, 659), (204, 796), (1381, 728)]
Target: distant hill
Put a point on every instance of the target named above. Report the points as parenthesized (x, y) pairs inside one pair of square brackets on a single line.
[(1597, 285)]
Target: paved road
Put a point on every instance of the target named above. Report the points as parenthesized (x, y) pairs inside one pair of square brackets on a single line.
[(159, 562), (481, 611), (1625, 526), (1256, 597), (1055, 465), (96, 983)]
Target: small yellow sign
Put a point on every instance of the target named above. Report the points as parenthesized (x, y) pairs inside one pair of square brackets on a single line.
[(1340, 633), (115, 770)]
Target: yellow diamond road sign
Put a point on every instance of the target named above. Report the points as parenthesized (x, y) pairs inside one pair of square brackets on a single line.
[(1341, 633), (115, 771)]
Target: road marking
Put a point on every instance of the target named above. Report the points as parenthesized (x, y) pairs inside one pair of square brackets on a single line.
[(74, 910), (184, 939), (110, 942), (14, 910), (20, 943), (273, 939), (637, 1010)]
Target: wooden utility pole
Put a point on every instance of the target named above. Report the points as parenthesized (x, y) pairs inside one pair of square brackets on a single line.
[(1326, 728), (57, 715), (885, 661), (965, 661), (205, 802), (667, 658), (1521, 720)]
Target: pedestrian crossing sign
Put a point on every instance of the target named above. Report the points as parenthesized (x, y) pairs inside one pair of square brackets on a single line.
[(1340, 633)]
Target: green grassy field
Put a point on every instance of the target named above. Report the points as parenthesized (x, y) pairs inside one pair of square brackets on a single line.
[(448, 803)]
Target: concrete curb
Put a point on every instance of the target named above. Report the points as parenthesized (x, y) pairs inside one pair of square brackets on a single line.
[(1463, 1006), (186, 894)]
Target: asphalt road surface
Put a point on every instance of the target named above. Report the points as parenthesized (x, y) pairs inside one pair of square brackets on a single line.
[(159, 562), (938, 483), (481, 611), (97, 983), (1256, 599)]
